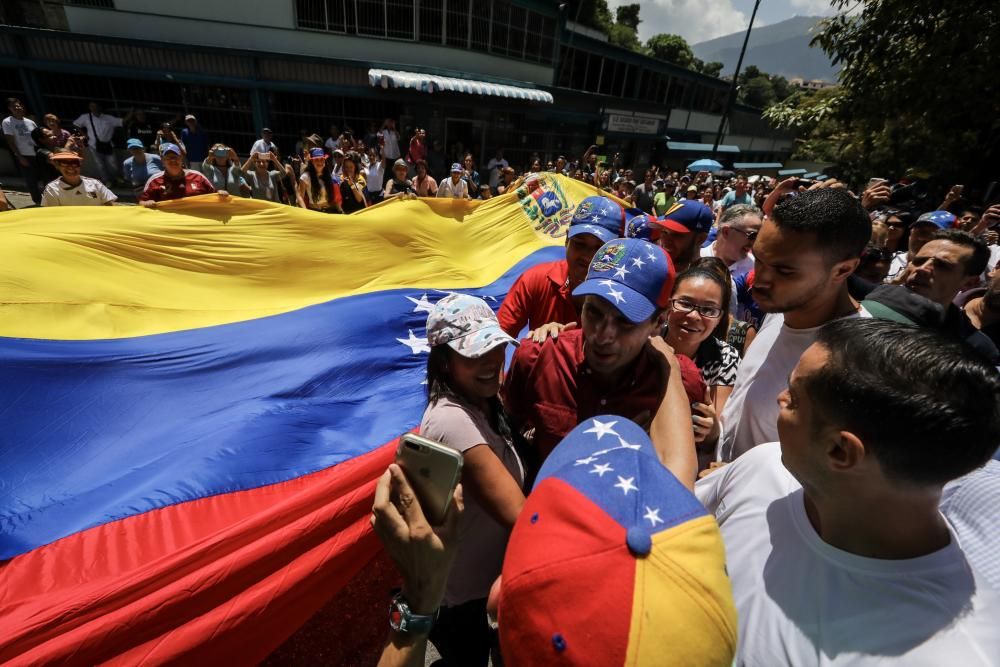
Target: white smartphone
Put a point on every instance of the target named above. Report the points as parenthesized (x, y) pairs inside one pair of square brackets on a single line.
[(433, 471)]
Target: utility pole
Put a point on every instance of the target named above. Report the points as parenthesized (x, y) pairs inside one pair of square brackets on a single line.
[(732, 88)]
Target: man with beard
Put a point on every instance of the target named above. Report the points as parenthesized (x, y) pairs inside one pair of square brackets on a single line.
[(684, 228), (804, 254), (984, 310)]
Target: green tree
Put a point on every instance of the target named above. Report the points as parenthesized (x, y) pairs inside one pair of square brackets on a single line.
[(591, 13), (747, 73), (917, 89), (624, 36), (713, 68), (672, 48), (757, 92), (782, 89), (628, 15)]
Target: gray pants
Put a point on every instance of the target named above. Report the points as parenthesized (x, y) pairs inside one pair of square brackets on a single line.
[(106, 165)]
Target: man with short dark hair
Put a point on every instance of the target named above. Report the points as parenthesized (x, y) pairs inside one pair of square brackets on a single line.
[(738, 195), (877, 418), (542, 295), (642, 196), (921, 231), (804, 254), (951, 262), (17, 131), (608, 365)]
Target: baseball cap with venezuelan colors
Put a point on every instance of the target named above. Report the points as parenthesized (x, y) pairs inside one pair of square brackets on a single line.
[(634, 275), (613, 562), (687, 216), (600, 216), (467, 324)]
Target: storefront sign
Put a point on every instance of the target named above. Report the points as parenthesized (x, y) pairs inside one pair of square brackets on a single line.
[(633, 124)]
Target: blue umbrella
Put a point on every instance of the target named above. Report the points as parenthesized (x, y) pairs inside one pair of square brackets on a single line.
[(705, 165)]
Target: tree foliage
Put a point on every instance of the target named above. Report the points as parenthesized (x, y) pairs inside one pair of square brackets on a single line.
[(628, 16), (672, 48), (917, 90)]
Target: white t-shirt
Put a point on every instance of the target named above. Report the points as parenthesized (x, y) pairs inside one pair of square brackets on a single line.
[(803, 602), (90, 192), (374, 175), (21, 131), (447, 188), (494, 166), (390, 146), (971, 505), (261, 146), (897, 264), (751, 413), (103, 127), (737, 268)]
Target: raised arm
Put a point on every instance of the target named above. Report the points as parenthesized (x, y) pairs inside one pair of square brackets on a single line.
[(671, 430)]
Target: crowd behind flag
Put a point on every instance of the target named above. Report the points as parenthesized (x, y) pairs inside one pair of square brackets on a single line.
[(198, 400)]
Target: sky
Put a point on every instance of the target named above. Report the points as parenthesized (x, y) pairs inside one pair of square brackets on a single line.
[(699, 20)]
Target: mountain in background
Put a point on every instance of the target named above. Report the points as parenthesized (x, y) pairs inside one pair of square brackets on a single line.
[(782, 48)]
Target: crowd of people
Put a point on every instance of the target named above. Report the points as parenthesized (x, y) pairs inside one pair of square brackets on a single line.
[(842, 430), (814, 368)]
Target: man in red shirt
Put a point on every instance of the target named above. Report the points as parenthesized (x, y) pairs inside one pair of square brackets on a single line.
[(542, 294), (611, 365), (175, 182)]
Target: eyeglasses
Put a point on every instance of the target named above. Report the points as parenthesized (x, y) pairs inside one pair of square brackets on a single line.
[(684, 306), (877, 253), (751, 234)]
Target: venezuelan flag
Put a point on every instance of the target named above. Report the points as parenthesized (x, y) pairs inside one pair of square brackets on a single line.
[(197, 400)]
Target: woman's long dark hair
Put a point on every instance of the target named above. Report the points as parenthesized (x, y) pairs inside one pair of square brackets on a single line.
[(314, 180)]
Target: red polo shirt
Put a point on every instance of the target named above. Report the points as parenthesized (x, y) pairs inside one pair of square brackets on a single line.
[(541, 295), (550, 388)]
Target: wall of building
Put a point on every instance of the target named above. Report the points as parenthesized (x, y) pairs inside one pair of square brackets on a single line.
[(281, 37)]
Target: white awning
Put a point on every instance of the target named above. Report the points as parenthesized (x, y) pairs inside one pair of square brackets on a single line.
[(428, 83)]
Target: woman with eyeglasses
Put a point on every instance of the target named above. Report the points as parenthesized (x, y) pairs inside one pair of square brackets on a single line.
[(697, 326)]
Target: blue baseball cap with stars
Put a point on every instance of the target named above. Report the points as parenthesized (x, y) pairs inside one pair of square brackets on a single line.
[(599, 216), (633, 275)]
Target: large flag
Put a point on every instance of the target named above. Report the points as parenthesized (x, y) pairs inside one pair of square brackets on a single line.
[(197, 400)]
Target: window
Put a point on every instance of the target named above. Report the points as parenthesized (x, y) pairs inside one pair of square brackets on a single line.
[(371, 17), (430, 21)]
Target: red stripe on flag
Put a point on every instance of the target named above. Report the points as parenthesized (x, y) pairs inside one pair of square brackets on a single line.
[(222, 579)]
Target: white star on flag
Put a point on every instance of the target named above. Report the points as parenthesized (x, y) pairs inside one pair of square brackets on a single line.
[(652, 515), (616, 295), (626, 485), (422, 304), (626, 445), (417, 345), (651, 257), (637, 261), (586, 461), (607, 283), (621, 272), (602, 428), (600, 469)]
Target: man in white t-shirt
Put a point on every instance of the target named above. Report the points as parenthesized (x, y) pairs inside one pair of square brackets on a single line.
[(835, 546), (495, 166), (72, 189), (17, 131), (454, 187), (100, 130), (265, 144), (804, 254)]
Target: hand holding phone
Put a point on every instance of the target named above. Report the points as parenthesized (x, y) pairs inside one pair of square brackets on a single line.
[(433, 471)]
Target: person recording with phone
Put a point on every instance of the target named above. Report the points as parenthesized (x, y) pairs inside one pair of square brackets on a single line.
[(464, 412)]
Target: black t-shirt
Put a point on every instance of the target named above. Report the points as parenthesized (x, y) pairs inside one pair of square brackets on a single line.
[(144, 132), (349, 203)]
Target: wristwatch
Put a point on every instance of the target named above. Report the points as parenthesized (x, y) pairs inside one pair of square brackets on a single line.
[(401, 619)]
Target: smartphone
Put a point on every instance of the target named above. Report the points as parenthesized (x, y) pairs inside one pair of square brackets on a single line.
[(872, 182), (433, 471)]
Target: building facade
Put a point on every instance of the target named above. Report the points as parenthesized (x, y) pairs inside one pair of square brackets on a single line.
[(476, 74)]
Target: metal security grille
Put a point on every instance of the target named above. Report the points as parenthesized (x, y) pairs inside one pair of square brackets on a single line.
[(493, 26), (224, 112)]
